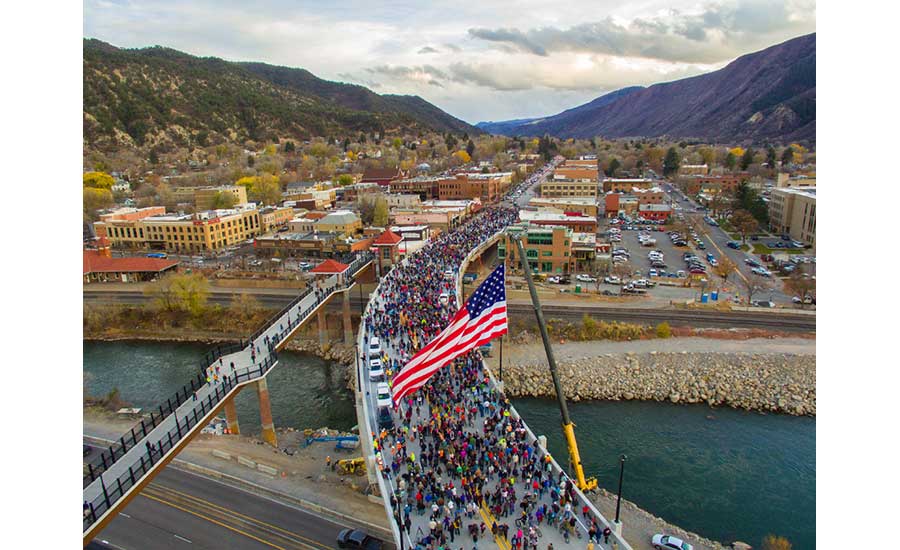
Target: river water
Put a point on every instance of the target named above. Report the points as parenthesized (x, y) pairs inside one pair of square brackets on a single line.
[(725, 474)]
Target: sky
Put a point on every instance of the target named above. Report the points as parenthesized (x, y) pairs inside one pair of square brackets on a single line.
[(484, 60)]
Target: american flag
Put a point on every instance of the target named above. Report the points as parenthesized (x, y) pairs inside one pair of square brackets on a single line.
[(482, 318)]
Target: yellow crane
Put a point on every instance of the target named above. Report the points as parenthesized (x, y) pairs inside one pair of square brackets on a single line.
[(585, 484)]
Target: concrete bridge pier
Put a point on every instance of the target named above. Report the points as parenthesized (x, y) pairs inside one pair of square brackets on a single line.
[(348, 325), (323, 326), (265, 412), (231, 416)]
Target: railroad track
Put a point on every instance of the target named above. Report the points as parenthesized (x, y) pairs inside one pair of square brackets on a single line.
[(574, 313)]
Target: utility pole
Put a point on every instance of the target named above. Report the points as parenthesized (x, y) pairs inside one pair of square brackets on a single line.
[(568, 427)]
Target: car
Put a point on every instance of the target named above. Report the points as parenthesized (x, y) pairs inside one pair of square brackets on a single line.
[(762, 303), (797, 244), (304, 265), (697, 271), (785, 237), (761, 271), (751, 262), (680, 274), (767, 258), (701, 245), (376, 369), (653, 273), (612, 280), (754, 237), (375, 347), (733, 244), (585, 278), (383, 395), (668, 542)]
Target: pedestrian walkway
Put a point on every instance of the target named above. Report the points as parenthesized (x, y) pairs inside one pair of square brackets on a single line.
[(124, 468), (455, 461)]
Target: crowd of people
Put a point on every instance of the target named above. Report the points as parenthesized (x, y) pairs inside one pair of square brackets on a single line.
[(459, 464)]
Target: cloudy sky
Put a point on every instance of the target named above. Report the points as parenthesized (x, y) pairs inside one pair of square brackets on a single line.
[(480, 60)]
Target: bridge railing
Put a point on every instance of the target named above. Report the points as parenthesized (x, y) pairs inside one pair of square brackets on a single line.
[(139, 431), (113, 490)]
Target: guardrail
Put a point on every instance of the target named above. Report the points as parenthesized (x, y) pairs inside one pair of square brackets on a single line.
[(118, 487), (557, 469)]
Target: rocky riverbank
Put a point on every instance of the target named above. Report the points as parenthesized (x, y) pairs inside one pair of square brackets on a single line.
[(769, 382)]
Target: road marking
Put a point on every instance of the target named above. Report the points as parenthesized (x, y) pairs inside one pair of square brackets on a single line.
[(182, 538), (228, 511), (489, 520), (124, 515), (106, 542), (173, 505)]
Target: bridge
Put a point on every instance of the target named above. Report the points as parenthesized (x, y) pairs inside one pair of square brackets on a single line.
[(120, 472), (393, 499)]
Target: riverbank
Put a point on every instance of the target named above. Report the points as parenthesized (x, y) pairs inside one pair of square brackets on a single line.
[(767, 375)]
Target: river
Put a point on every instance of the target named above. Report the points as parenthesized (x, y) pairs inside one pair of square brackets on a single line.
[(725, 474)]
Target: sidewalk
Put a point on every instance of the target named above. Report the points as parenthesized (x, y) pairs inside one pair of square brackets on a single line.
[(303, 477)]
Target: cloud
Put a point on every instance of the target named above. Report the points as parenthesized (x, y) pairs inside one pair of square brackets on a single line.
[(719, 32), (428, 49)]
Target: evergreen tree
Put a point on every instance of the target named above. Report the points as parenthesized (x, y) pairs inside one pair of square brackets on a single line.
[(771, 157), (251, 160), (747, 159), (154, 158), (470, 148), (614, 166), (289, 147), (671, 162), (787, 156)]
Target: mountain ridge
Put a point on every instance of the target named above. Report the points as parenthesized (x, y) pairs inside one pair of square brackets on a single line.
[(767, 95), (159, 97)]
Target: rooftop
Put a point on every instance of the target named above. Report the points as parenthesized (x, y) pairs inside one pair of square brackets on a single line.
[(329, 267), (95, 263)]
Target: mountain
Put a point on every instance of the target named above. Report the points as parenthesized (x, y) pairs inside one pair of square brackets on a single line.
[(768, 95), (159, 97)]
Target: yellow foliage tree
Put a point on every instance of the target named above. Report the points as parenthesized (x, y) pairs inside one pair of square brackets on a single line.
[(95, 199), (463, 156), (98, 180), (773, 542), (271, 149), (799, 153), (737, 151)]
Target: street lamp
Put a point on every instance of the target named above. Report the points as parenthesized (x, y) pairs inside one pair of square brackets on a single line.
[(621, 476)]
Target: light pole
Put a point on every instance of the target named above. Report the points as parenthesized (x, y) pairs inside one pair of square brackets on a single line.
[(617, 523)]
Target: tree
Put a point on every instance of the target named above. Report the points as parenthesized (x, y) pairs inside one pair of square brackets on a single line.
[(470, 148), (381, 215), (251, 160), (747, 158), (773, 542), (801, 285), (94, 200), (154, 157), (180, 293), (771, 157), (366, 210), (97, 180), (744, 223), (671, 162), (754, 285), (244, 308), (730, 160), (463, 157), (266, 190), (614, 165), (725, 268), (787, 156), (289, 147), (344, 179), (223, 199)]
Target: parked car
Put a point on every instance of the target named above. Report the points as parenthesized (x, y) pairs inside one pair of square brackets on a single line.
[(762, 303), (375, 347), (733, 244), (376, 369), (585, 278), (612, 280), (383, 395), (668, 542)]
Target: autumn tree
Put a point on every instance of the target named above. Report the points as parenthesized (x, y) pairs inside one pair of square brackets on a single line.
[(787, 156), (801, 285), (180, 293), (744, 223), (366, 210), (381, 214), (344, 179), (244, 308), (223, 199), (725, 268), (94, 200), (97, 180), (755, 285)]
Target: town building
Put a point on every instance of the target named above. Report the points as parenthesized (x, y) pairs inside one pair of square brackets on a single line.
[(712, 184), (387, 251), (383, 176), (204, 198), (693, 170), (576, 221), (586, 206), (565, 188), (426, 187), (625, 185), (586, 161), (100, 267), (343, 222), (355, 192), (786, 180), (792, 211), (311, 244), (547, 249), (656, 212), (275, 216)]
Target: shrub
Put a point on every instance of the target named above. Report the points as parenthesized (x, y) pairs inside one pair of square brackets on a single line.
[(663, 330), (773, 542)]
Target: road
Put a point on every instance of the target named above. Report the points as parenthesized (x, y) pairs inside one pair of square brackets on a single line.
[(184, 510)]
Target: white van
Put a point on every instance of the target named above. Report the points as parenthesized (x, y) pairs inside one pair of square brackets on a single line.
[(376, 369), (375, 347)]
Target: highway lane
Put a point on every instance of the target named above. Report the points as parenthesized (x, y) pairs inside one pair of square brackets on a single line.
[(695, 318), (184, 510)]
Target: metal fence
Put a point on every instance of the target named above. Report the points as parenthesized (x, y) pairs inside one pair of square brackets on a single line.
[(113, 490)]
